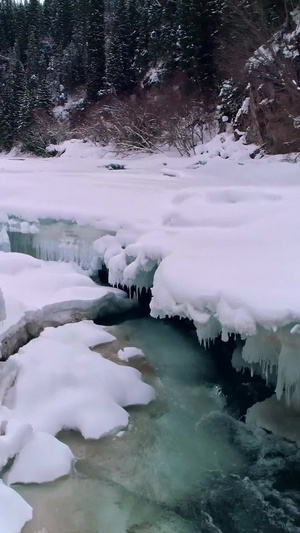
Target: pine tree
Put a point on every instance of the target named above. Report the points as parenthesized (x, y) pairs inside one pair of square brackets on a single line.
[(95, 49), (120, 73), (8, 26), (196, 41), (11, 94), (80, 16)]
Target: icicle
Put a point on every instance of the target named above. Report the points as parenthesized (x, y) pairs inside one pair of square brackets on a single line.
[(2, 307)]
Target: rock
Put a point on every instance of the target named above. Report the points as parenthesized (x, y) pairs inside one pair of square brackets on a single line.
[(271, 109)]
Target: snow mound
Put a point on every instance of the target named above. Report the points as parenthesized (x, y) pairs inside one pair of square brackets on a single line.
[(224, 145), (130, 353), (61, 383), (75, 147), (14, 511), (42, 459), (39, 457)]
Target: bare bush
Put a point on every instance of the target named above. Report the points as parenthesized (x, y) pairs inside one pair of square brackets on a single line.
[(44, 130), (149, 122)]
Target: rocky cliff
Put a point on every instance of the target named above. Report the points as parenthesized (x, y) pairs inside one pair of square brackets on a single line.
[(270, 114)]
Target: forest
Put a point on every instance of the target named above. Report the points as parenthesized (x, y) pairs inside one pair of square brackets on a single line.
[(160, 65)]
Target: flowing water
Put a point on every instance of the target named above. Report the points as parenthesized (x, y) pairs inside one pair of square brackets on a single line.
[(183, 464)]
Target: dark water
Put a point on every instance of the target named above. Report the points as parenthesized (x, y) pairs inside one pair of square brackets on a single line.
[(183, 465)]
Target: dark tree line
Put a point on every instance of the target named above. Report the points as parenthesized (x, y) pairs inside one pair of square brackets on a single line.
[(49, 49)]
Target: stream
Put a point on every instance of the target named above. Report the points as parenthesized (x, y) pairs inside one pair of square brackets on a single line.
[(184, 464)]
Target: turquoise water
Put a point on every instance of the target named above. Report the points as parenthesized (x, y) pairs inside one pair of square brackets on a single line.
[(182, 465)]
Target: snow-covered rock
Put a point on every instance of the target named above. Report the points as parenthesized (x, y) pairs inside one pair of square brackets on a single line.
[(39, 293), (130, 352), (61, 384)]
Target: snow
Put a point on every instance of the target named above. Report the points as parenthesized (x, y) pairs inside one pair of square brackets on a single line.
[(56, 382), (61, 384), (38, 457), (244, 109), (214, 236), (14, 511), (130, 352), (14, 434), (39, 293), (43, 458)]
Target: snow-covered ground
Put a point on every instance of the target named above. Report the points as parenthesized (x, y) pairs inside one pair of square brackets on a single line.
[(215, 236)]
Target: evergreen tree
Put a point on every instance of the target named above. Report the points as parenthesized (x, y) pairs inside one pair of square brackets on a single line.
[(7, 24), (11, 94), (120, 74), (196, 41), (95, 49)]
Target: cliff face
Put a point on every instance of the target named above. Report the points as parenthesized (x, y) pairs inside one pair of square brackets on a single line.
[(270, 114)]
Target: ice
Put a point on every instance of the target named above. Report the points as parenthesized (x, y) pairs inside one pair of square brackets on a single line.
[(263, 350), (61, 383), (130, 352), (276, 356), (14, 511), (53, 240), (2, 307), (4, 240)]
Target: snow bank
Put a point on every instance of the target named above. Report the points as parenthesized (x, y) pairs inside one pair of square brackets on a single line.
[(60, 383), (39, 293)]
